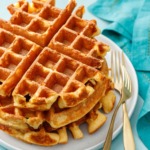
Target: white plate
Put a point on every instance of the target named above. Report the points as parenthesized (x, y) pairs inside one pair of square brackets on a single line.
[(90, 142)]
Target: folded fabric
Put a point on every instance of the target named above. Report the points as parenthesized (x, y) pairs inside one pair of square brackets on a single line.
[(2, 148), (129, 27)]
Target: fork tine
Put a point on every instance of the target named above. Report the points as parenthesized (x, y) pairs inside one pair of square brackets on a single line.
[(119, 59), (117, 66), (116, 72), (120, 64), (123, 58), (112, 66), (128, 81), (124, 76), (130, 86), (127, 78)]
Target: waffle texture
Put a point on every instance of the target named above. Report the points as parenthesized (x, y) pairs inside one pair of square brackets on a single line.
[(53, 73)]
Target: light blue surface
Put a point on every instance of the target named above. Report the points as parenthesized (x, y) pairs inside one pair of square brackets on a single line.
[(117, 143), (129, 27)]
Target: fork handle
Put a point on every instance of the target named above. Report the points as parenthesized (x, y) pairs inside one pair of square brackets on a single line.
[(107, 144), (128, 139)]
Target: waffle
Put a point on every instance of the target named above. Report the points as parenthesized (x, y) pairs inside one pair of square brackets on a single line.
[(16, 55), (76, 39), (38, 27), (45, 135), (50, 78), (54, 75)]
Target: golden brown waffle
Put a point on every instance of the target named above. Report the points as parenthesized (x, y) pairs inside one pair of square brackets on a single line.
[(50, 81), (38, 27), (51, 89), (15, 122), (52, 117), (76, 39), (34, 7), (54, 76), (16, 55)]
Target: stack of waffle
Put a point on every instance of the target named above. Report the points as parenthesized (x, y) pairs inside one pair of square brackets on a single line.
[(53, 73)]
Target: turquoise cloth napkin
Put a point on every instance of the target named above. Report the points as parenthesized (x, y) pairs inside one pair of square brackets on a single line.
[(129, 27), (2, 148)]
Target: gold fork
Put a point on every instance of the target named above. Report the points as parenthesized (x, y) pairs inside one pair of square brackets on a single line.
[(122, 84), (128, 139)]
